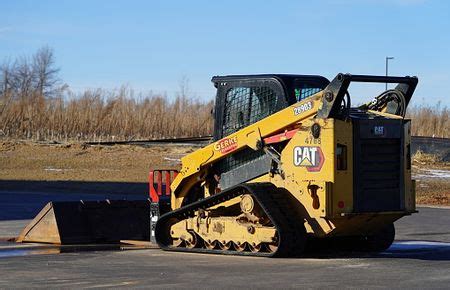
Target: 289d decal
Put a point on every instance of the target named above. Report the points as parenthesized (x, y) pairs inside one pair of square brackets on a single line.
[(302, 108)]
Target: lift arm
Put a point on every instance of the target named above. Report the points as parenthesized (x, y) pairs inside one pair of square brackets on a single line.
[(335, 92)]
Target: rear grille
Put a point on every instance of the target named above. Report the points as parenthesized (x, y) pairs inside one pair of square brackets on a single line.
[(378, 175)]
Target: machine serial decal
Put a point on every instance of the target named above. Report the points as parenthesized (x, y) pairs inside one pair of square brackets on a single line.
[(310, 157), (226, 145), (302, 108)]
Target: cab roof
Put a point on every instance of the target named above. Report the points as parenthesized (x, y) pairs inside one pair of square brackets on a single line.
[(283, 78)]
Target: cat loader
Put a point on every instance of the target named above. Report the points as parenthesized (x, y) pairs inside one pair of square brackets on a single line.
[(291, 161)]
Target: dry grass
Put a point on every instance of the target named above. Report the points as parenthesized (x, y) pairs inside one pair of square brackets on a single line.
[(435, 192), (104, 115), (121, 115), (430, 190), (421, 158), (432, 121)]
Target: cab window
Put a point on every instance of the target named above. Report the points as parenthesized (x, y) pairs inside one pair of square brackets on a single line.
[(247, 105), (304, 88)]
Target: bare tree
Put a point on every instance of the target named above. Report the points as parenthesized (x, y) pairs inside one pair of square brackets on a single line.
[(5, 85), (183, 87), (45, 73), (5, 78), (22, 78)]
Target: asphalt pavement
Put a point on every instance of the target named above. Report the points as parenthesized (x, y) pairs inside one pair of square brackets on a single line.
[(419, 258)]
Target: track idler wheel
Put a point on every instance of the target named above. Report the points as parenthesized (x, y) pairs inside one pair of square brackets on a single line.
[(247, 203)]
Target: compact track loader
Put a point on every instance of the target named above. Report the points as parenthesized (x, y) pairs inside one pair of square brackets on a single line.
[(291, 160)]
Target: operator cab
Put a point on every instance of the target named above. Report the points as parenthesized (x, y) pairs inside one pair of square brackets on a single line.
[(245, 99)]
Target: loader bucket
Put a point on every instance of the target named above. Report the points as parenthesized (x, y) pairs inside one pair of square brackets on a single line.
[(89, 222)]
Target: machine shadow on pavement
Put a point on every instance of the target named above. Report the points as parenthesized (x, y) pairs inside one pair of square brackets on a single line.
[(23, 199), (400, 249)]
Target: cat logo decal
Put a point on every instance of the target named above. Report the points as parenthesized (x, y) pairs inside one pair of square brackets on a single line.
[(310, 157)]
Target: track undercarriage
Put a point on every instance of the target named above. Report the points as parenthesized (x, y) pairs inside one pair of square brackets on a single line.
[(249, 219)]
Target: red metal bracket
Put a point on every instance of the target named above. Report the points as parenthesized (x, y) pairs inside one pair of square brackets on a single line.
[(286, 135), (159, 183)]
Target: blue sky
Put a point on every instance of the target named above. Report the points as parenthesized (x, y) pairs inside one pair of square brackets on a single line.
[(151, 45)]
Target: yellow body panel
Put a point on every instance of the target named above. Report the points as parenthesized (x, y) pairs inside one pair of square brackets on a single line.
[(194, 162), (324, 193)]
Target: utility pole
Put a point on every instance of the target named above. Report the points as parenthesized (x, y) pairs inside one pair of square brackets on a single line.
[(387, 66)]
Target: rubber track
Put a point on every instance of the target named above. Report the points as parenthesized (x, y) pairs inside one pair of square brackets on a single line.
[(290, 229)]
